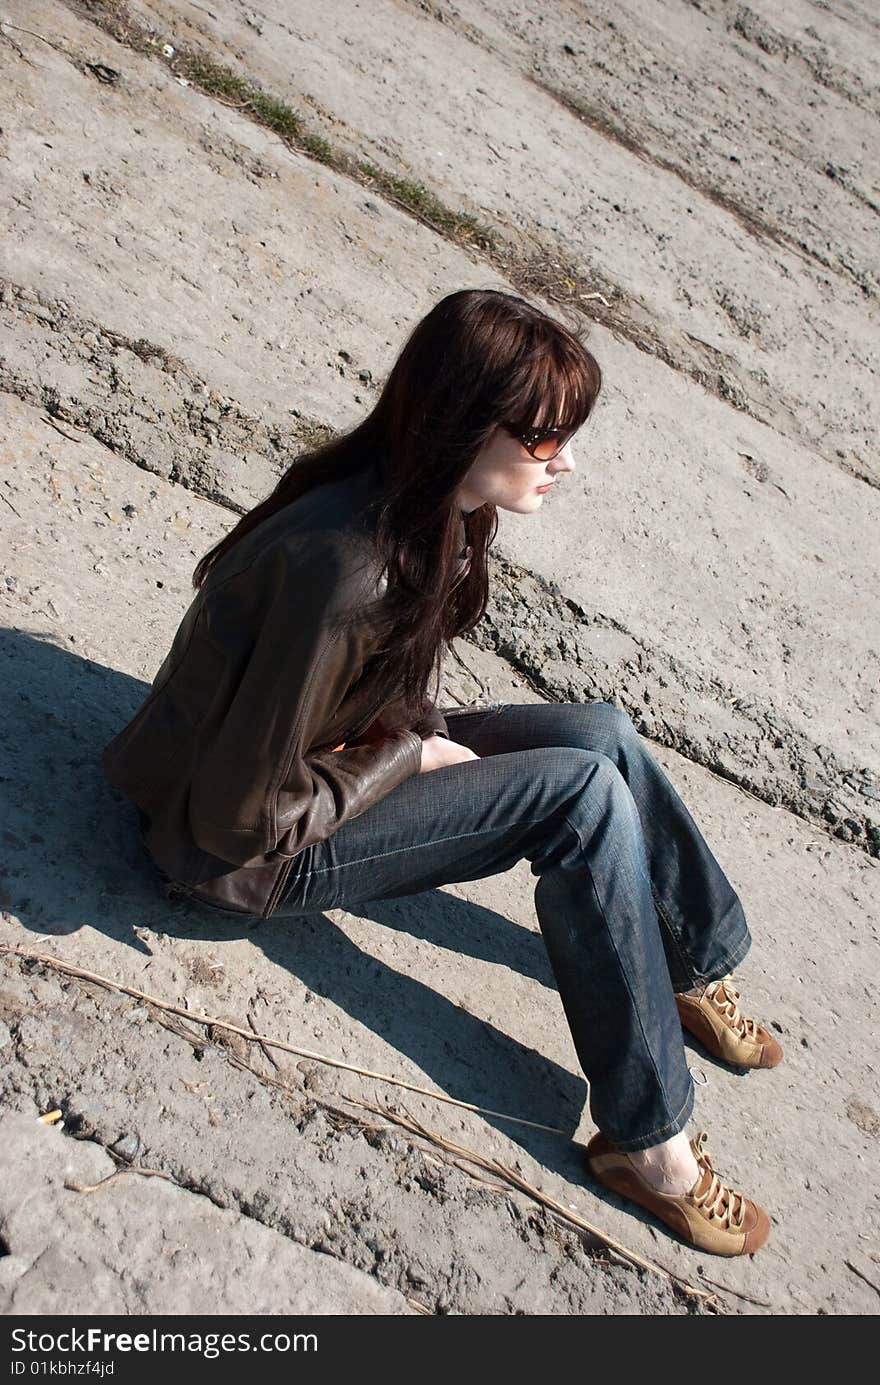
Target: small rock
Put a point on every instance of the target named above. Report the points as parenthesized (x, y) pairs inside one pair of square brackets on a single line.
[(387, 1139), (313, 1078), (127, 1147), (106, 74), (862, 1115), (815, 786), (5, 1036), (90, 340)]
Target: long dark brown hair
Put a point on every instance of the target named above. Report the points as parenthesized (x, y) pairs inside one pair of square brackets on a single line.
[(479, 359)]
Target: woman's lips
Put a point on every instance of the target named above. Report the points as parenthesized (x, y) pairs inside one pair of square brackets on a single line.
[(541, 489)]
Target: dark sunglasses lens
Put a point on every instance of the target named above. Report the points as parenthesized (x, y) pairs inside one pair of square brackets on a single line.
[(546, 448)]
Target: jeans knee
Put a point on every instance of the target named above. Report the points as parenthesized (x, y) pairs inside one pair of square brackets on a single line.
[(603, 781), (568, 771), (620, 724), (596, 800), (604, 724)]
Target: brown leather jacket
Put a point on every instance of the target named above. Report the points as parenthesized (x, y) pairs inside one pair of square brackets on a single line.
[(231, 758)]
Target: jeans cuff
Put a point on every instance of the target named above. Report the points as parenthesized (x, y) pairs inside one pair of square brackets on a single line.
[(723, 965), (661, 1133)]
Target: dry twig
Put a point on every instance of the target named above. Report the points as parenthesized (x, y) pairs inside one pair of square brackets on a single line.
[(10, 504), (71, 437), (861, 1275), (260, 1041), (508, 1178), (511, 1177), (207, 1020), (120, 1173), (5, 24)]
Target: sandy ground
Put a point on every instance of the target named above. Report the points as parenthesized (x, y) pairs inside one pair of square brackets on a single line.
[(185, 300)]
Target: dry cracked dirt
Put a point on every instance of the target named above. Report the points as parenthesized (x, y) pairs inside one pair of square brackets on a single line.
[(219, 222)]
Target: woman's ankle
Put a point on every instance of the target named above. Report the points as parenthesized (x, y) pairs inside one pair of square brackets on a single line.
[(669, 1167)]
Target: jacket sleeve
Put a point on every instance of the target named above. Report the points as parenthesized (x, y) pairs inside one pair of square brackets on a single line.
[(266, 784), (429, 723)]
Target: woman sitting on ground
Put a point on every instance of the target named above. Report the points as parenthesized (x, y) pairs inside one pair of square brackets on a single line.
[(290, 759)]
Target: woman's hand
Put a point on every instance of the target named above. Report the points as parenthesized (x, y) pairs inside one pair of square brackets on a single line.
[(437, 751)]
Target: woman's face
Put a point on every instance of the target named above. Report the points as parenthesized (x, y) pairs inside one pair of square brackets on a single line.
[(506, 475)]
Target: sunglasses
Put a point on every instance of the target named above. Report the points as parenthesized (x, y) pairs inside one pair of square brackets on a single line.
[(545, 443)]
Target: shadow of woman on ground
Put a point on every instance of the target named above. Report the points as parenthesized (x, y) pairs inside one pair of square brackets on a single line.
[(73, 858)]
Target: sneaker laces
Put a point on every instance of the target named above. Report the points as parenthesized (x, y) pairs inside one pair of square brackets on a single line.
[(725, 998), (717, 1202)]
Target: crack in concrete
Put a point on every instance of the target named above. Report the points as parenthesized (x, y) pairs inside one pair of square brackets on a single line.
[(568, 654), (754, 29), (750, 222), (143, 403)]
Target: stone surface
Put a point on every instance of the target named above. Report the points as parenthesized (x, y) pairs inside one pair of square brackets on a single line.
[(144, 1245), (186, 302)]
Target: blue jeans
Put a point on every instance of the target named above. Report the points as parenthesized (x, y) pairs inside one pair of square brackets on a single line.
[(631, 902)]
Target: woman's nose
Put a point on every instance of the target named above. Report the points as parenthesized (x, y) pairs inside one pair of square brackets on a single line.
[(564, 460)]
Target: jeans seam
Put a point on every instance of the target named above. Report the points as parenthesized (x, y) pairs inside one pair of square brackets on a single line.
[(622, 971), (416, 846), (666, 919)]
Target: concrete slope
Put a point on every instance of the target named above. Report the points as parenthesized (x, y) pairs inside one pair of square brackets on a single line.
[(450, 990), (713, 227), (187, 299), (703, 539)]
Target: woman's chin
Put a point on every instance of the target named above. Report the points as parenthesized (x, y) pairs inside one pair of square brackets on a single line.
[(520, 504)]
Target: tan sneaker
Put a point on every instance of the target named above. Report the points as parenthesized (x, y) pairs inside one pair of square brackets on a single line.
[(712, 1216), (714, 1018)]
